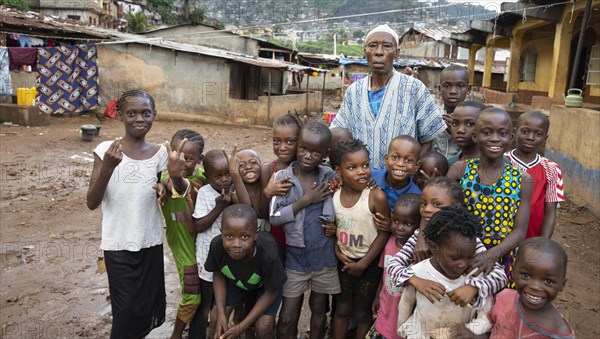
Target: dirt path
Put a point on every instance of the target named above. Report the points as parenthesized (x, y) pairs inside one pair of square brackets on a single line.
[(52, 283)]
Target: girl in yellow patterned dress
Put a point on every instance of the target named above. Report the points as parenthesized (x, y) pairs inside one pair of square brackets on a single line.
[(495, 191)]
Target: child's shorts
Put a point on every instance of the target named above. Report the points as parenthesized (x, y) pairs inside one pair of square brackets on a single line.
[(325, 281), (236, 295), (360, 290)]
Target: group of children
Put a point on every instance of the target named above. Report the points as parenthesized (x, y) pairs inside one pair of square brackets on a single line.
[(425, 248)]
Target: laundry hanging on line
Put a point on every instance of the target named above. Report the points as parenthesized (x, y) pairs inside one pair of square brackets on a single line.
[(36, 41), (5, 79), (20, 56), (67, 80)]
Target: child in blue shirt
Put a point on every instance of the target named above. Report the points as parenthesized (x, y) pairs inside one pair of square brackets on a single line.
[(401, 163)]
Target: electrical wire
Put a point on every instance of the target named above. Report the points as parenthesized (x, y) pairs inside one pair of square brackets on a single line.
[(435, 8)]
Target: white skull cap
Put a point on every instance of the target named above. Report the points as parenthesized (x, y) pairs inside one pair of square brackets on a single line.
[(385, 29)]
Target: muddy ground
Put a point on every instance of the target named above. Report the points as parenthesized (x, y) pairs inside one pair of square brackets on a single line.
[(53, 283)]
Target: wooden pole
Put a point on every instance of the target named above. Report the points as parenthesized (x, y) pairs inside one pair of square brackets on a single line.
[(269, 100), (307, 82), (323, 93)]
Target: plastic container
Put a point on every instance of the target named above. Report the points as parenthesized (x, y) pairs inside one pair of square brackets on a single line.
[(329, 116), (574, 98), (87, 132), (26, 96)]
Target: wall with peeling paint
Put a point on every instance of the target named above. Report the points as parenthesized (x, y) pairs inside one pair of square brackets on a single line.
[(189, 86), (573, 144), (179, 82)]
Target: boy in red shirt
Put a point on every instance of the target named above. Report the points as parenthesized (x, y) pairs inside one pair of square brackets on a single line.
[(548, 190)]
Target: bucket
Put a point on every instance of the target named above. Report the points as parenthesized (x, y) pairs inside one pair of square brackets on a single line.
[(329, 116), (87, 132), (98, 127), (25, 96)]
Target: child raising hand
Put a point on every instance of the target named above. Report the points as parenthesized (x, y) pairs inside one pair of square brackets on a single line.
[(125, 171), (181, 184)]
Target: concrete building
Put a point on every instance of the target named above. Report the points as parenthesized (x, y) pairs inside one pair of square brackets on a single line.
[(331, 80), (201, 83), (429, 43), (188, 81), (215, 37), (101, 13), (542, 46), (543, 39)]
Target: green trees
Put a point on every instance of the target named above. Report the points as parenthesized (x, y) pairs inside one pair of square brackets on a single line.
[(197, 15), (137, 22), (358, 34), (165, 9), (16, 4)]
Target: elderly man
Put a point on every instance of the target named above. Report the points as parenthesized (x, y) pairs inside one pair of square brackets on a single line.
[(387, 103)]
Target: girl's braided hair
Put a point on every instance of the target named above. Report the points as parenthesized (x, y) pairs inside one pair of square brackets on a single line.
[(192, 136), (451, 185), (132, 94), (451, 220), (345, 147)]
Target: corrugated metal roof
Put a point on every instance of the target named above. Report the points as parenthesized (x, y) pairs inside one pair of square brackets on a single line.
[(34, 24), (318, 57), (13, 21), (261, 42), (497, 68), (402, 62), (166, 28), (436, 33), (217, 53)]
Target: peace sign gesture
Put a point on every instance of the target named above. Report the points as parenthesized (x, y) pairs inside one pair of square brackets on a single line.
[(423, 177), (434, 174), (232, 160), (176, 162)]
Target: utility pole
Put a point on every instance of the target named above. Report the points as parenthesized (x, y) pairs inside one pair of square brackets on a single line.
[(334, 43)]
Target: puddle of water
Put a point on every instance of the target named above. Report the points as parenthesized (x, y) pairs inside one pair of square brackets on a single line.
[(85, 157)]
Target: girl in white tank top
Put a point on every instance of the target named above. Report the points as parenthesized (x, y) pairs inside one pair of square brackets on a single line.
[(359, 242)]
